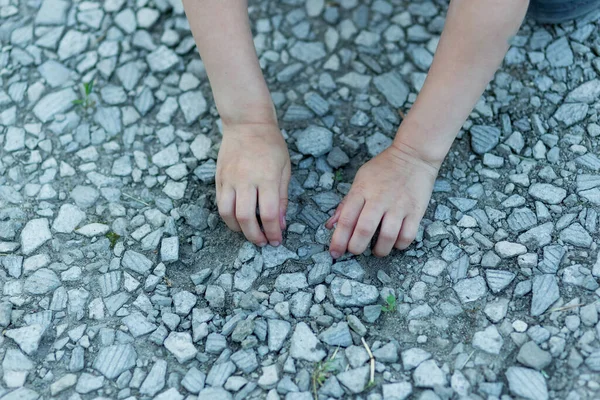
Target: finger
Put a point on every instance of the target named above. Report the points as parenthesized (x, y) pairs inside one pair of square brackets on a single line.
[(245, 213), (283, 197), (335, 217), (410, 226), (226, 205), (345, 225), (367, 224), (388, 234), (268, 204)]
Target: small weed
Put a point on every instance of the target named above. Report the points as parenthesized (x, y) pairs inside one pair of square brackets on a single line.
[(370, 386), (339, 175), (390, 304), (112, 238), (86, 102), (545, 374), (321, 372)]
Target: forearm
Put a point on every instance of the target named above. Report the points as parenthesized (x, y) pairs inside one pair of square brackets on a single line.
[(222, 32), (472, 46)]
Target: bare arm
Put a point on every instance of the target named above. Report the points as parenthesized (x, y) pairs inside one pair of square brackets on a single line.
[(393, 189), (253, 167), (222, 32), (472, 46)]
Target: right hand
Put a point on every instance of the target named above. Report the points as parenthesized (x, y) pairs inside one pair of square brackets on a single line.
[(253, 169)]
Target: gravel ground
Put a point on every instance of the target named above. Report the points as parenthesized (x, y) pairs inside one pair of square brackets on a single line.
[(120, 281)]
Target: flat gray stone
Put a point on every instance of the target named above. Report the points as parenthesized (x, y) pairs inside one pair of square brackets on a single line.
[(521, 219), (162, 59), (276, 256), (396, 391), (350, 269), (181, 346), (559, 53), (73, 43), (278, 332), (27, 338), (291, 282), (155, 380), (429, 375), (349, 293), (498, 279), (355, 380), (576, 235), (315, 141), (527, 383), (54, 103), (532, 356), (193, 105), (488, 340), (138, 325), (393, 88), (545, 293), (538, 236), (136, 262), (68, 218), (469, 290), (571, 113), (14, 139), (112, 361), (213, 393), (193, 381), (307, 52), (35, 233), (587, 92), (484, 138), (200, 147), (52, 12), (41, 281), (305, 345), (219, 373), (337, 335)]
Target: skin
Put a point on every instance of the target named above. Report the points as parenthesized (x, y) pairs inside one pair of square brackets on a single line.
[(391, 191)]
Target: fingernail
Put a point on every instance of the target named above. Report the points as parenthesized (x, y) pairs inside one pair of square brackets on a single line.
[(262, 244), (282, 221), (335, 254), (274, 244)]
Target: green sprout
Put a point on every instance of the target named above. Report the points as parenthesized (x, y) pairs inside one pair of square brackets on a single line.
[(86, 102), (321, 372), (339, 175), (370, 386), (390, 304), (112, 238)]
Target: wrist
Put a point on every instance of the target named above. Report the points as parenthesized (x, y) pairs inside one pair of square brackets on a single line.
[(257, 113), (424, 142)]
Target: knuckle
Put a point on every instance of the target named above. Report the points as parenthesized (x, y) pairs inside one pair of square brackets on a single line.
[(268, 216), (407, 237), (363, 230), (380, 253), (346, 222), (387, 236), (403, 243), (224, 212), (356, 250), (244, 218)]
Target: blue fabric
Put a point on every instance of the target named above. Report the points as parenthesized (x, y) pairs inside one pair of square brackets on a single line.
[(557, 11)]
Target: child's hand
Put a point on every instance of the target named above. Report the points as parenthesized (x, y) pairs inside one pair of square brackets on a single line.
[(253, 169), (391, 192)]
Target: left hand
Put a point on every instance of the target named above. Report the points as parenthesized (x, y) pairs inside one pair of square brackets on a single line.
[(392, 192)]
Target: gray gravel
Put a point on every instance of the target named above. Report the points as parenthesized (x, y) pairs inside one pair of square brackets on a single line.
[(118, 279)]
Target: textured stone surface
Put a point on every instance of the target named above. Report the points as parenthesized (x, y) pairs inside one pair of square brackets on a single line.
[(119, 278)]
